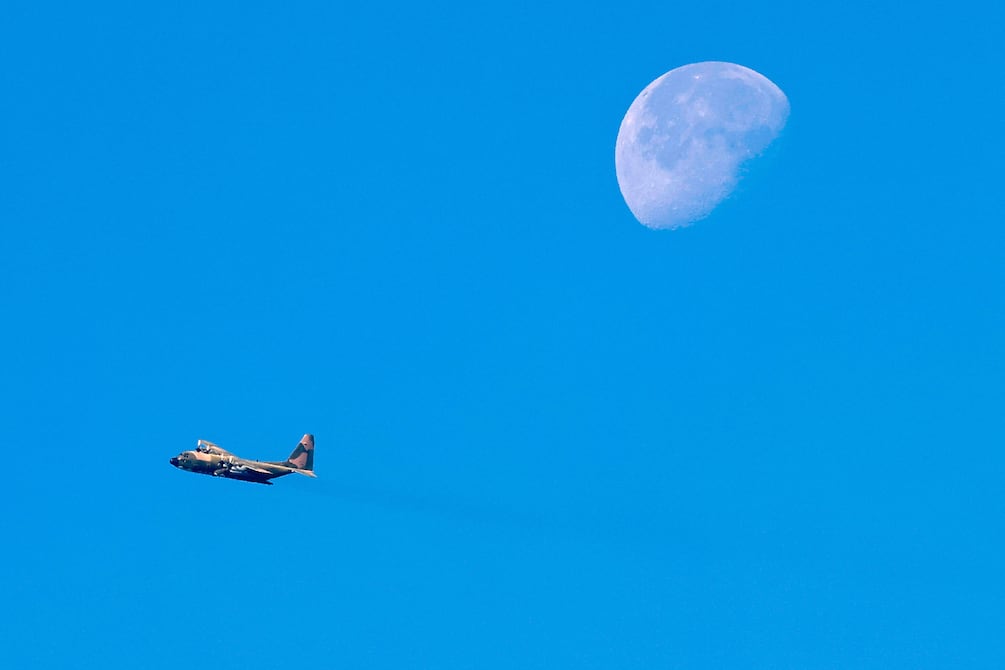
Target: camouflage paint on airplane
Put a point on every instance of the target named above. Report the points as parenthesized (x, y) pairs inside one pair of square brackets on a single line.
[(209, 459)]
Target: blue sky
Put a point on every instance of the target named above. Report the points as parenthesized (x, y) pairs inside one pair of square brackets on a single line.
[(547, 437)]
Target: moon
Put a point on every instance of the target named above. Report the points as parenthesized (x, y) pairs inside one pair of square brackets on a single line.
[(684, 139)]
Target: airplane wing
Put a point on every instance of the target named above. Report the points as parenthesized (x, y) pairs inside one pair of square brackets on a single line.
[(243, 467), (206, 445)]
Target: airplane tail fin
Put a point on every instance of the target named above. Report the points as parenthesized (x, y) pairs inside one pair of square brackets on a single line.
[(302, 457)]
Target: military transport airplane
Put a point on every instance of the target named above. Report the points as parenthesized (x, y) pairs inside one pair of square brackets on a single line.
[(209, 459)]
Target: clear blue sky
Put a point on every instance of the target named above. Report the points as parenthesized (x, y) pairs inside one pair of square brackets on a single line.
[(547, 437)]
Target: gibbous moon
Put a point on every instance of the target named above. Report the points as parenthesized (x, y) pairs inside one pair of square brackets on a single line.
[(684, 139)]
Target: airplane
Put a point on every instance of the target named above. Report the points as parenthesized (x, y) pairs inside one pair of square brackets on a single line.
[(209, 459)]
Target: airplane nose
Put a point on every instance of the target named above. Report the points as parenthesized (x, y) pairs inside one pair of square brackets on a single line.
[(174, 461)]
